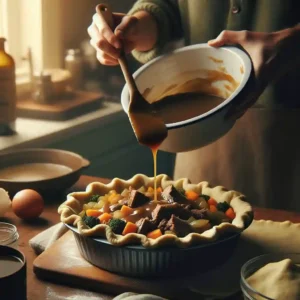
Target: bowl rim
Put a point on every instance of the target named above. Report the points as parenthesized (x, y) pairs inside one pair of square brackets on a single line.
[(45, 150), (280, 255), (242, 55)]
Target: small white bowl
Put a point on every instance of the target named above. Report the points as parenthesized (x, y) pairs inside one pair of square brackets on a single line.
[(165, 70)]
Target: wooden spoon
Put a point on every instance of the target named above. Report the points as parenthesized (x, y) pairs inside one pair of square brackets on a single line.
[(149, 128)]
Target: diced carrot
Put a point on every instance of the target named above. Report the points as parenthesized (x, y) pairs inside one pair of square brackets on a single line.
[(129, 228), (212, 201), (126, 210), (150, 189), (93, 213), (191, 195), (213, 208), (230, 213), (154, 234), (159, 190), (105, 217)]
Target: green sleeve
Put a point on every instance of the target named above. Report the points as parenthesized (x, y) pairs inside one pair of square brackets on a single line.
[(167, 16)]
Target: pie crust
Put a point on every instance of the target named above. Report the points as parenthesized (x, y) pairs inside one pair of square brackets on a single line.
[(70, 209)]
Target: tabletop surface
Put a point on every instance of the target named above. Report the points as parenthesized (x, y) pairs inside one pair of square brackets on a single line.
[(38, 289)]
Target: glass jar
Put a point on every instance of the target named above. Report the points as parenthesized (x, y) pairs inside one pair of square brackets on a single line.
[(256, 263), (42, 87), (9, 235), (74, 64)]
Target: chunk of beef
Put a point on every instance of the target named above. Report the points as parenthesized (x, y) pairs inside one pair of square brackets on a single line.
[(163, 225), (171, 194), (199, 213), (123, 202), (165, 211), (137, 199), (180, 227), (186, 206), (115, 207), (144, 226)]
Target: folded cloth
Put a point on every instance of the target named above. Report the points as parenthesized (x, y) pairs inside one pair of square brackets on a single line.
[(133, 296), (46, 238)]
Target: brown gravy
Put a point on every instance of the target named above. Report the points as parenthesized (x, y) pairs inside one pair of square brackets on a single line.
[(143, 211), (180, 107)]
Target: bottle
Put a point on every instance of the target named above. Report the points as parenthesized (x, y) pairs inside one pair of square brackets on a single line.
[(74, 64), (8, 91), (42, 87)]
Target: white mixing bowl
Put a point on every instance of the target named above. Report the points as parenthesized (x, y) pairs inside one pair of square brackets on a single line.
[(166, 70)]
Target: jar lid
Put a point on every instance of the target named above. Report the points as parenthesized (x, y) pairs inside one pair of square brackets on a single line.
[(42, 75), (8, 233), (73, 51)]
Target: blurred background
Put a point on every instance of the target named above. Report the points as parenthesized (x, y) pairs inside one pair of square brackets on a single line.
[(65, 98)]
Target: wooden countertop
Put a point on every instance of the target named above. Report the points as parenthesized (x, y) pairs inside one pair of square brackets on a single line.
[(38, 289)]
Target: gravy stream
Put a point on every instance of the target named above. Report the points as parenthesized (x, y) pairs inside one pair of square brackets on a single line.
[(154, 153)]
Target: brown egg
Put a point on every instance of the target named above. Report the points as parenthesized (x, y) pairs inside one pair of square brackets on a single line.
[(27, 204)]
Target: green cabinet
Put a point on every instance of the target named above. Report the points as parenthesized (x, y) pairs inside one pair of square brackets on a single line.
[(114, 151)]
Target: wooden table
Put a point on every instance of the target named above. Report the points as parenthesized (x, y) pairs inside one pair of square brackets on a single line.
[(38, 289)]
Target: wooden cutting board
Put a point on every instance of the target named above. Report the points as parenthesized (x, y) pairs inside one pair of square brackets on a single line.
[(63, 264), (69, 106)]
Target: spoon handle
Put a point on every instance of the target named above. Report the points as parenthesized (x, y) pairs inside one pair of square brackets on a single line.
[(104, 11)]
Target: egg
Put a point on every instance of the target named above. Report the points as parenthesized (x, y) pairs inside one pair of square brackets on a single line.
[(5, 202), (27, 204)]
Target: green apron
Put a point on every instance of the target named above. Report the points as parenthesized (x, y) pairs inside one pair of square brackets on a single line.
[(260, 156)]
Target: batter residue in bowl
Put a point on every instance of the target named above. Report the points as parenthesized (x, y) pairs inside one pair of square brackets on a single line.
[(279, 280), (33, 172)]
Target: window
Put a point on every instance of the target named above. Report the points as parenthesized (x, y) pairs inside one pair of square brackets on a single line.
[(34, 25), (10, 25)]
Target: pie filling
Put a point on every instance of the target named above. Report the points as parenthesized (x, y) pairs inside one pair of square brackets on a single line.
[(176, 211)]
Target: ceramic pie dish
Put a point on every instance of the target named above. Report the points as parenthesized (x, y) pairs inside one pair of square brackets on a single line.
[(138, 255)]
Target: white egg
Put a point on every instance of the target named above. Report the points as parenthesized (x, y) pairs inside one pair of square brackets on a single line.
[(5, 202)]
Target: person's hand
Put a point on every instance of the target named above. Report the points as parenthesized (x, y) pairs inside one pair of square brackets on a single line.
[(130, 32), (272, 54)]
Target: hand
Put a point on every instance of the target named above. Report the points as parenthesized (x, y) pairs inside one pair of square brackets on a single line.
[(272, 54), (130, 32)]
